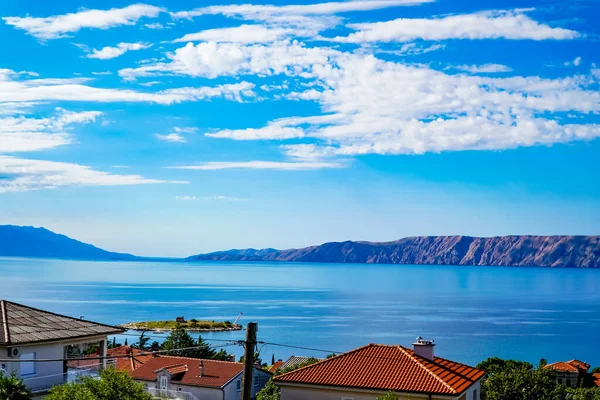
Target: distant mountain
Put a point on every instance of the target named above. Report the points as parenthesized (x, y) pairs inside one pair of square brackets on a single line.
[(540, 251), (27, 241)]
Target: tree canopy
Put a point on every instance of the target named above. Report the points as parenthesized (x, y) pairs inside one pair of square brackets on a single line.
[(13, 388), (112, 385)]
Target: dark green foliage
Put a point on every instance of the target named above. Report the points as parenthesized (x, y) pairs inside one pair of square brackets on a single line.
[(155, 346), (388, 396), (179, 338), (142, 343), (13, 388), (271, 391), (112, 385), (517, 380), (595, 370), (583, 394)]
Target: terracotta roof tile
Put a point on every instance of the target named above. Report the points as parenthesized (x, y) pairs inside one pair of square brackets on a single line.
[(596, 379), (21, 324), (118, 354), (383, 367), (580, 365), (563, 367), (216, 373), (276, 366)]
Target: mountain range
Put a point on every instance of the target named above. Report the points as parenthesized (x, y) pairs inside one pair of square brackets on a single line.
[(541, 251), (27, 241), (520, 250)]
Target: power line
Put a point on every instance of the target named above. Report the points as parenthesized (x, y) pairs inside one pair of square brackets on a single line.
[(142, 353)]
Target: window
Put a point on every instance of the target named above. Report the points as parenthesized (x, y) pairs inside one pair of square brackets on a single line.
[(27, 364), (256, 380), (568, 382), (164, 382), (559, 381), (239, 385), (475, 395)]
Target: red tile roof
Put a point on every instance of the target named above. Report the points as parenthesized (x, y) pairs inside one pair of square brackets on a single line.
[(122, 363), (596, 379), (276, 366), (174, 369), (216, 373), (569, 366), (383, 367)]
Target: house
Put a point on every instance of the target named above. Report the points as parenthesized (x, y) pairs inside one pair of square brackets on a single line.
[(180, 320), (196, 379), (574, 374), (371, 371), (28, 334), (275, 367), (123, 358)]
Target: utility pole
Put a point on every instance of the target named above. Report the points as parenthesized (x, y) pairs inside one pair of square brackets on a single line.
[(249, 360)]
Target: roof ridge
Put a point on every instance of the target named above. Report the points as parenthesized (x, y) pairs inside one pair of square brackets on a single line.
[(326, 360), (430, 372), (4, 321), (61, 315)]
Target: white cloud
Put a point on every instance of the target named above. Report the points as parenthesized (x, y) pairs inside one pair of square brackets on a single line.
[(376, 107), (211, 59), (264, 12), (238, 34), (22, 175), (484, 69), (576, 62), (100, 73), (59, 26), (15, 91), (21, 134), (156, 26), (270, 165), (108, 52), (171, 137), (481, 25)]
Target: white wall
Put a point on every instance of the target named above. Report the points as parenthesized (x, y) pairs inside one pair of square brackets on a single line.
[(47, 374)]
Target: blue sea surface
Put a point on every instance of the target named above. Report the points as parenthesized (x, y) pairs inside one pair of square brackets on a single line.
[(471, 312)]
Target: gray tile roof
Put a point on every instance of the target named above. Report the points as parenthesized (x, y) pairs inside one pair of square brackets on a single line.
[(294, 361), (21, 324)]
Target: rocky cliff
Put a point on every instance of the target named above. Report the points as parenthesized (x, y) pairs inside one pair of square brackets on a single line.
[(541, 251)]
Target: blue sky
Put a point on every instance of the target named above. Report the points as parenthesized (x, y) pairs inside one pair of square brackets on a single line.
[(183, 127)]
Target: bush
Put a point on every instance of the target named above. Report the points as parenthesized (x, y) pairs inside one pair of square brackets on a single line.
[(13, 388)]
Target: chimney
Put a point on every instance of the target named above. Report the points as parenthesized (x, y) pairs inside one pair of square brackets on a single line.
[(424, 348), (201, 368)]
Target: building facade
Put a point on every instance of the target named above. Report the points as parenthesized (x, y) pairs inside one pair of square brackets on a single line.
[(28, 334)]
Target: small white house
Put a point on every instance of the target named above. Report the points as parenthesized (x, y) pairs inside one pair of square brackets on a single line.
[(28, 334), (196, 379)]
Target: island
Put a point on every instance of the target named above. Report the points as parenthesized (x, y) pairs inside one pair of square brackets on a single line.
[(192, 325)]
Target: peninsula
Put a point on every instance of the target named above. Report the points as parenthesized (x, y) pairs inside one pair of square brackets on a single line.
[(193, 325)]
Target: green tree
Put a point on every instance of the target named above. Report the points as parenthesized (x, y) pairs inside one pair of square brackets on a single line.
[(270, 392), (522, 383), (179, 338), (142, 343), (112, 385), (584, 394), (494, 364), (388, 396), (13, 388), (596, 370)]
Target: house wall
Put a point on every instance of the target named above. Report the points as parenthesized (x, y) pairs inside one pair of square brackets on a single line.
[(303, 393), (232, 393), (47, 374), (572, 377)]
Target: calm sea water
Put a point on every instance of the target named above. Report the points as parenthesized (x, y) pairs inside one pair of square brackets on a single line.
[(471, 312)]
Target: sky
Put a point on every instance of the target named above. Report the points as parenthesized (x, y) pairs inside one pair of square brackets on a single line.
[(176, 128)]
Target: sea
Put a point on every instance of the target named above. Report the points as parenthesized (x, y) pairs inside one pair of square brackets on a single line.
[(314, 309)]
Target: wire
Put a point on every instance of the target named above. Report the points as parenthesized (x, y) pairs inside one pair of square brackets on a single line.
[(142, 353), (303, 348)]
